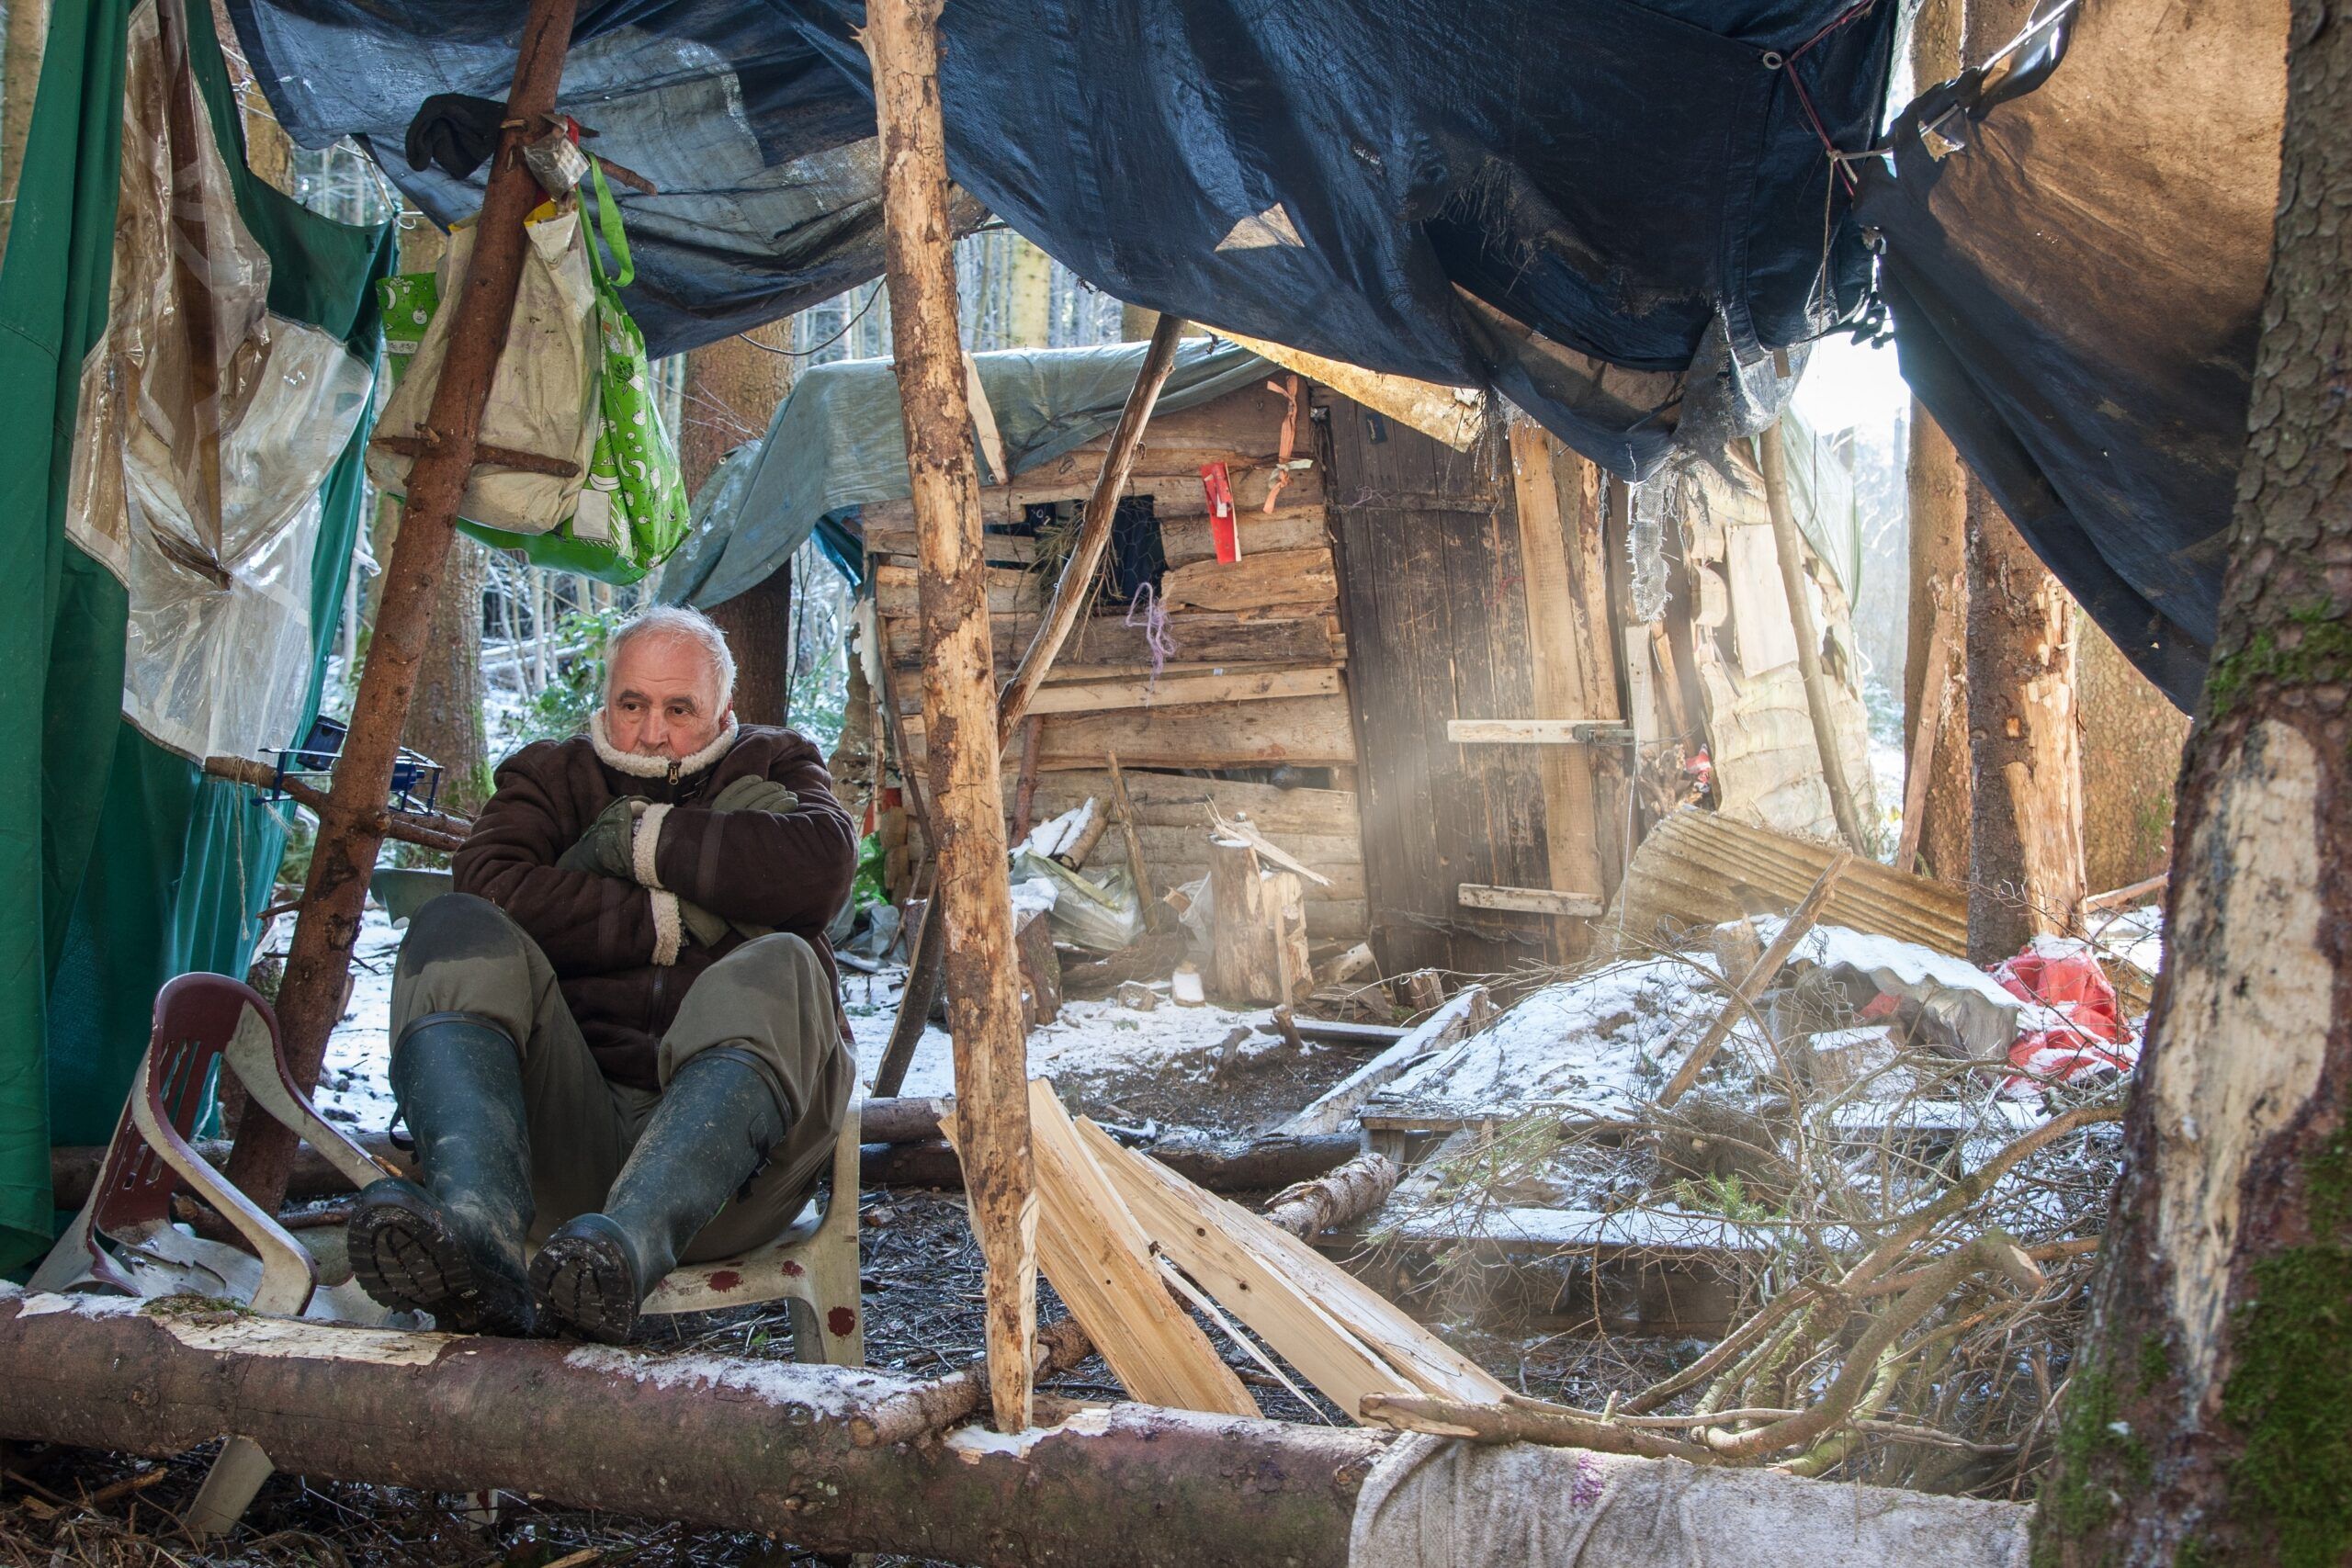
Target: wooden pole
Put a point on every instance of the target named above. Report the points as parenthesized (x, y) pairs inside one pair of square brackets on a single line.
[(973, 904), (1816, 684), (1929, 711), (1076, 585), (310, 999)]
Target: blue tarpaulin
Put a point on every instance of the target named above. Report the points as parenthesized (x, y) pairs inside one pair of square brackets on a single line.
[(838, 444), (1570, 202)]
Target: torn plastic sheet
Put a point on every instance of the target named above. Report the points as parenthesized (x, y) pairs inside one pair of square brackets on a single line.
[(213, 538)]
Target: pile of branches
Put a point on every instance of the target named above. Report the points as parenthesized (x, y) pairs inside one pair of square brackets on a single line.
[(1911, 1263)]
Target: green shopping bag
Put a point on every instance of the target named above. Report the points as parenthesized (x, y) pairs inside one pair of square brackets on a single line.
[(409, 299), (632, 512)]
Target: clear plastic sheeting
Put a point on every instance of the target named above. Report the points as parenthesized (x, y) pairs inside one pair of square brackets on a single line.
[(204, 428)]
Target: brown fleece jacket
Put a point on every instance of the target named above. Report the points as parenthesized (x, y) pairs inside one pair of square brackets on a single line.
[(616, 945)]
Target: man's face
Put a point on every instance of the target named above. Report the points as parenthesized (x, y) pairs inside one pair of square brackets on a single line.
[(663, 698)]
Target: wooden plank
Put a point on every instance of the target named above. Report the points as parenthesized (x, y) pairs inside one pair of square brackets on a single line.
[(1198, 686), (1100, 1261), (1375, 1322), (1321, 852), (1164, 474), (1570, 828), (1180, 800), (1196, 636), (1309, 731), (1183, 537), (1270, 1303), (1011, 592), (1535, 732), (1530, 900), (1332, 1109), (1275, 577)]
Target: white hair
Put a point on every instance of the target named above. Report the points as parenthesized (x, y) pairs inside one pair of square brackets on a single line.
[(675, 621)]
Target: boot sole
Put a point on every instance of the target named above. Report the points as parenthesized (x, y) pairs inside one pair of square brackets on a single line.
[(407, 1257), (583, 1283)]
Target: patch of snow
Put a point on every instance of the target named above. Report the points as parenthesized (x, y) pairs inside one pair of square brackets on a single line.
[(355, 1083), (1051, 837), (1090, 1040), (1597, 1044)]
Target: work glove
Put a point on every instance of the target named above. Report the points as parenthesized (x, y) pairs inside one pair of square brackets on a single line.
[(750, 793), (705, 929), (753, 793), (604, 849), (456, 130)]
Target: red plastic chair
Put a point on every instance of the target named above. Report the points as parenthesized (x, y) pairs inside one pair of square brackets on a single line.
[(124, 1239)]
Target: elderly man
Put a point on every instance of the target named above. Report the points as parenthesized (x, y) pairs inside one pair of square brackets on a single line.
[(623, 1026)]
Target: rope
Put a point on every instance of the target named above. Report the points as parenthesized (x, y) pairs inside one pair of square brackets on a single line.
[(1788, 62), (1155, 631)]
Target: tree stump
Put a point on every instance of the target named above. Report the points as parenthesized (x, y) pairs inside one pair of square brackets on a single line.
[(1257, 948)]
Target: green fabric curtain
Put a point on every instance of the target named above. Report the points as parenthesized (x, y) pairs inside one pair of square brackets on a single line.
[(124, 865)]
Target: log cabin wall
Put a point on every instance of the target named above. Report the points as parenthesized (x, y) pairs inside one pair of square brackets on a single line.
[(1252, 672)]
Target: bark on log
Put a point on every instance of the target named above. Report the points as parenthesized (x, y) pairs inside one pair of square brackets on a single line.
[(2026, 830), (2205, 1419), (753, 1445), (1256, 953), (973, 904), (309, 999), (1340, 1197)]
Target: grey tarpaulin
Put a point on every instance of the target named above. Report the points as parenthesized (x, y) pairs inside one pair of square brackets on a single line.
[(837, 444), (2075, 297), (1440, 1503), (1609, 212)]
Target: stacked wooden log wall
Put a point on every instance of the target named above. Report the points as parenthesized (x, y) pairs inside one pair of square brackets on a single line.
[(1256, 678)]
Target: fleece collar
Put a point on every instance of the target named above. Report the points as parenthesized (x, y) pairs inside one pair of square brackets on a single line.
[(639, 767)]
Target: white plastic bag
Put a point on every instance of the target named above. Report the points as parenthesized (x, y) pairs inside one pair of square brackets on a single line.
[(544, 398)]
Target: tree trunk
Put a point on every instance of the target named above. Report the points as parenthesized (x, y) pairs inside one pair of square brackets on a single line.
[(2206, 1418), (317, 966), (444, 716), (1135, 322), (972, 902), (2132, 743), (2025, 738), (1029, 285), (1938, 489), (2024, 853), (732, 390), (758, 624), (27, 36)]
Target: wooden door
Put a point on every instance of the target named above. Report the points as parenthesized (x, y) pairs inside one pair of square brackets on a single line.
[(1431, 597)]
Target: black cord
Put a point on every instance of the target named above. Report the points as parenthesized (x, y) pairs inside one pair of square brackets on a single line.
[(805, 352)]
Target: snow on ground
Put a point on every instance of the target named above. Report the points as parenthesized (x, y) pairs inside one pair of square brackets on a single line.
[(352, 1088), (1598, 1044), (1093, 1043)]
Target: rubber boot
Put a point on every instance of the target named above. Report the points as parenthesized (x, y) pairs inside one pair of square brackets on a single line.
[(453, 1244), (712, 1132)]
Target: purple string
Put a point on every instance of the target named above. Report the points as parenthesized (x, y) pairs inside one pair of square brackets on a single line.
[(1155, 631)]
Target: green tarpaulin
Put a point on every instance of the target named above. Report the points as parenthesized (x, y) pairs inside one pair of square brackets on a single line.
[(120, 864)]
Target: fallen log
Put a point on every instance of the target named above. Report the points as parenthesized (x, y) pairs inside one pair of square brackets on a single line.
[(774, 1447), (903, 1149), (1345, 1194), (710, 1439), (1221, 1165)]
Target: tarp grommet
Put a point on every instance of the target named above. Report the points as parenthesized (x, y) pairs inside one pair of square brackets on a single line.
[(1774, 59)]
